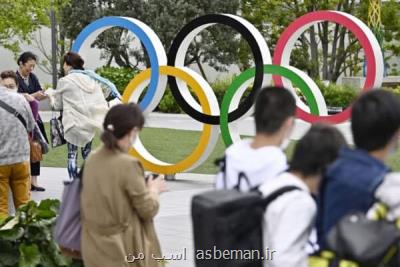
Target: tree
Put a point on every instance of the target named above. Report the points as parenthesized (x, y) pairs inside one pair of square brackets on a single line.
[(391, 33), (328, 50), (19, 19), (71, 18), (166, 18)]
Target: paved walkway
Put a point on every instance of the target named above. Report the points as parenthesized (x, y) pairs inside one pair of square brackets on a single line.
[(173, 223)]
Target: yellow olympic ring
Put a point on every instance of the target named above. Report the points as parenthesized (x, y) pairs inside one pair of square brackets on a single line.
[(205, 138)]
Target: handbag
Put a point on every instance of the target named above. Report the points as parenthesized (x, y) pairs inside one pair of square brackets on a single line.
[(38, 136), (36, 150), (370, 243), (67, 231), (56, 131)]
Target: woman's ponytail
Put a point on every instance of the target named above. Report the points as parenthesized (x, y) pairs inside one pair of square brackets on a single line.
[(109, 140)]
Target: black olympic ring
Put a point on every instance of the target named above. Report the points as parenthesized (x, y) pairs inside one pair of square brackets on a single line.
[(258, 60)]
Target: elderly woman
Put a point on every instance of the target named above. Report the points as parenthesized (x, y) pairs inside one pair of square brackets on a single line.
[(9, 79), (117, 203), (28, 84), (81, 99)]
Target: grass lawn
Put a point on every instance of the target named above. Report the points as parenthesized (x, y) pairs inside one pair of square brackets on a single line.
[(171, 146), (166, 144)]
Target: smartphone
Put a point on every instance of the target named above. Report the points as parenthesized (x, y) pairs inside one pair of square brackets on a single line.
[(151, 176)]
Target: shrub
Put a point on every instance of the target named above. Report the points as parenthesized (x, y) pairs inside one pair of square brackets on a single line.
[(337, 95), (119, 76), (27, 239), (169, 105), (395, 90)]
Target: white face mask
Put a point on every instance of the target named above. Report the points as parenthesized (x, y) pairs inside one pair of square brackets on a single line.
[(12, 90), (133, 138), (285, 143)]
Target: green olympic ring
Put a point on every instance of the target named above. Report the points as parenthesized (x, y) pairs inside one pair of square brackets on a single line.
[(247, 75)]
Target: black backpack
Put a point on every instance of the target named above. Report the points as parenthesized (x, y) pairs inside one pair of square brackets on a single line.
[(227, 226)]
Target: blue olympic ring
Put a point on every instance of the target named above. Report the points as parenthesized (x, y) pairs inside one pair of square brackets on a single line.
[(128, 24)]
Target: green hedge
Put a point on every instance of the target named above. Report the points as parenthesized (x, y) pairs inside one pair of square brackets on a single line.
[(335, 95), (169, 105), (122, 76), (119, 76)]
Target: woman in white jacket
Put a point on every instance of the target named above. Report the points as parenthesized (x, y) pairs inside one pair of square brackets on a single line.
[(82, 101)]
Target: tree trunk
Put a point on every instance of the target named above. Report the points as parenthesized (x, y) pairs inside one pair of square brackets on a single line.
[(333, 53), (314, 71), (341, 56), (62, 45), (108, 64), (323, 30), (203, 73)]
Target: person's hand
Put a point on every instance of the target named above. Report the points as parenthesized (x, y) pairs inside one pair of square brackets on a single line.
[(40, 95), (157, 185), (28, 97)]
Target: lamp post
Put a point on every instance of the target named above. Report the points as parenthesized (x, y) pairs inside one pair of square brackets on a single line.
[(53, 45)]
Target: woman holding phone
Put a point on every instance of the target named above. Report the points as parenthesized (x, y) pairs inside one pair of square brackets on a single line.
[(117, 203)]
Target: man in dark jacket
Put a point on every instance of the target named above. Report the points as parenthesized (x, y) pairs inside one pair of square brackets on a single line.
[(350, 182)]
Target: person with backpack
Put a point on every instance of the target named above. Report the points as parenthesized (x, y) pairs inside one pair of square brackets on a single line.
[(118, 204), (350, 183), (261, 158), (289, 219), (81, 100)]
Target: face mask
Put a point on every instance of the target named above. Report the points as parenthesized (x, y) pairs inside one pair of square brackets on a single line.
[(286, 140), (285, 143), (133, 138), (12, 90)]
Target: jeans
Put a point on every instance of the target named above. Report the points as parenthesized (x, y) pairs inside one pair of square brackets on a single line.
[(73, 158)]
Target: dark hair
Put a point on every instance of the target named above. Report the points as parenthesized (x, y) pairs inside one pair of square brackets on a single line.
[(74, 60), (119, 121), (25, 57), (317, 149), (273, 106), (9, 74), (375, 119)]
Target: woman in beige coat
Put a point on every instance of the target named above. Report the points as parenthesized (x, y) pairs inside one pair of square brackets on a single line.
[(117, 204)]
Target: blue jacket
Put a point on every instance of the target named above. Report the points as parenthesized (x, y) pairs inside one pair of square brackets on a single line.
[(348, 186)]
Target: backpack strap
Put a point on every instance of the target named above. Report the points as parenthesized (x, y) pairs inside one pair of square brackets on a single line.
[(221, 163), (242, 176), (269, 199)]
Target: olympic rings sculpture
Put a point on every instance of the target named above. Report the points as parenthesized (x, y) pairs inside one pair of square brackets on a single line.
[(166, 69)]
